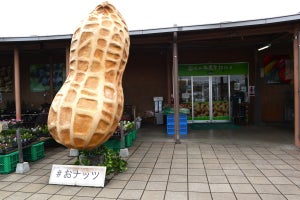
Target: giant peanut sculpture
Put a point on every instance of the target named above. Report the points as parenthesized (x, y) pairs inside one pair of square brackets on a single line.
[(87, 109)]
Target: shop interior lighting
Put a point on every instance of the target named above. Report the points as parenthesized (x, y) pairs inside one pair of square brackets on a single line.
[(264, 47)]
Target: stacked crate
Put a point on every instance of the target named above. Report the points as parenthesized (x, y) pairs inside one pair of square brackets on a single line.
[(116, 145), (34, 153), (8, 162), (183, 125)]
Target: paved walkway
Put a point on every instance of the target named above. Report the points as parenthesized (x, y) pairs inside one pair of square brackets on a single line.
[(206, 165)]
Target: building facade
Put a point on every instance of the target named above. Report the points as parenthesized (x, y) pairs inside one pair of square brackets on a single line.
[(220, 66)]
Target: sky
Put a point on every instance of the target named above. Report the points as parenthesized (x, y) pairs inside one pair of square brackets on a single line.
[(19, 18)]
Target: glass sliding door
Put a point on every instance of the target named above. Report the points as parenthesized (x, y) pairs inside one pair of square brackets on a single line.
[(185, 94), (209, 90), (200, 104), (220, 98), (207, 98)]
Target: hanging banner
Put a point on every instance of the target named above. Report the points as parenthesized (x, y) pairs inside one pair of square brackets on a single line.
[(278, 69)]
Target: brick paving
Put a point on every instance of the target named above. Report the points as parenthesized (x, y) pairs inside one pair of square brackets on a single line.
[(223, 164)]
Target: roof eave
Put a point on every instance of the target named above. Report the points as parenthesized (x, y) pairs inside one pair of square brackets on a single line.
[(220, 25)]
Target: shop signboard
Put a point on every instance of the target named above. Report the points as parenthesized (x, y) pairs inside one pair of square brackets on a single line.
[(78, 175), (210, 69)]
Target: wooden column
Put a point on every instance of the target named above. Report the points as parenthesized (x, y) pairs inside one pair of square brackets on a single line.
[(17, 84), (51, 77), (296, 86), (67, 60), (175, 91), (169, 77)]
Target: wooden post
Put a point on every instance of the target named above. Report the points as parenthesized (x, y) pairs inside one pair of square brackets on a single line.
[(51, 77), (175, 91), (17, 84), (67, 59), (169, 77), (296, 86)]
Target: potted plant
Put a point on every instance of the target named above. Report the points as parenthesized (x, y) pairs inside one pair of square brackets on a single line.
[(103, 156)]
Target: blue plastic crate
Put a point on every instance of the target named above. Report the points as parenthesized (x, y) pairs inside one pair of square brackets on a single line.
[(180, 123), (182, 131), (170, 131), (182, 118)]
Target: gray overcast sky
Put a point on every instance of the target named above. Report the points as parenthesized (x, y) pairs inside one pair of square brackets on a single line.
[(56, 17)]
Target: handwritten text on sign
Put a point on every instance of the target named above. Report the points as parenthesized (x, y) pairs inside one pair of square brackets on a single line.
[(78, 175)]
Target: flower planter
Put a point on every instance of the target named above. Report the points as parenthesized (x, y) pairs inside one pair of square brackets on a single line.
[(34, 152), (7, 150), (8, 163), (113, 144), (128, 140)]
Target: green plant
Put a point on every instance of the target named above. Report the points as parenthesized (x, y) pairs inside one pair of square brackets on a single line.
[(41, 131), (113, 162), (128, 125), (103, 156)]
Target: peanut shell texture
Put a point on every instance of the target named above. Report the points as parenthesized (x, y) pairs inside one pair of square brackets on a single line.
[(87, 109)]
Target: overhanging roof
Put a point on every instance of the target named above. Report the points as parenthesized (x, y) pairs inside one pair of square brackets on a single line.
[(222, 25)]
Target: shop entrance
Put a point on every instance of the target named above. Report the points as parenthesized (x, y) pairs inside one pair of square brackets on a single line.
[(213, 92), (212, 99), (209, 99)]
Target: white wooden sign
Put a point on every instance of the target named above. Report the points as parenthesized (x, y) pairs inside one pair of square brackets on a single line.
[(185, 95), (78, 175)]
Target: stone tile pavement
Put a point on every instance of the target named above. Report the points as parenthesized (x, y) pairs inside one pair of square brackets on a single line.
[(163, 170)]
